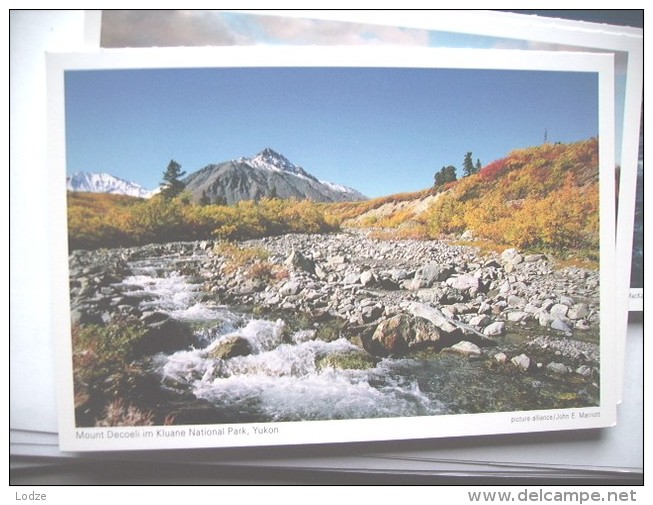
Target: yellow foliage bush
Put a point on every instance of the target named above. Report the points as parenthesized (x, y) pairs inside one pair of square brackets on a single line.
[(446, 215), (544, 197), (99, 220)]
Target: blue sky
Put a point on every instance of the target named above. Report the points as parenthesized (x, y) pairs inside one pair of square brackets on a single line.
[(380, 131)]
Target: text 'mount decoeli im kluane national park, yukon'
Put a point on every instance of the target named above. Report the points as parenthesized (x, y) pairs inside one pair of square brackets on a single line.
[(255, 290)]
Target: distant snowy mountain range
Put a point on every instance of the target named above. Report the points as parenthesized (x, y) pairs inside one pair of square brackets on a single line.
[(266, 174), (105, 183)]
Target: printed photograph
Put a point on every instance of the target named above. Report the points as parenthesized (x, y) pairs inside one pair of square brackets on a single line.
[(225, 28), (274, 244)]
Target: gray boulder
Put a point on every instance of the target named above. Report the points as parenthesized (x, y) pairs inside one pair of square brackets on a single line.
[(301, 262), (511, 256), (495, 329), (578, 311), (401, 334), (429, 274), (501, 357), (463, 282), (367, 278), (433, 315), (558, 368), (560, 325), (559, 310)]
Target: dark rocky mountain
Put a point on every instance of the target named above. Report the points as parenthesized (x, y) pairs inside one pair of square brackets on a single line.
[(266, 174)]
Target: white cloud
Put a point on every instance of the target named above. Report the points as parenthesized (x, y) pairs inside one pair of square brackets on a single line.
[(199, 28), (146, 28), (322, 32)]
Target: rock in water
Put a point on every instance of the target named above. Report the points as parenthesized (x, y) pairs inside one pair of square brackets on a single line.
[(231, 347), (389, 338), (522, 361), (168, 335), (465, 348)]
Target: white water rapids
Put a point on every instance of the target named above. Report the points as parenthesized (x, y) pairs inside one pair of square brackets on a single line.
[(280, 380), (289, 374)]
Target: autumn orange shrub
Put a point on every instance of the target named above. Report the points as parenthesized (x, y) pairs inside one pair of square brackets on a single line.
[(446, 215), (492, 170), (544, 197), (98, 220), (567, 218)]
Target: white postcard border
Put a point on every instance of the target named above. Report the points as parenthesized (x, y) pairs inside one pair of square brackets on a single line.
[(292, 433)]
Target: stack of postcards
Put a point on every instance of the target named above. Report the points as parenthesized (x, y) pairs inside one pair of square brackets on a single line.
[(370, 246)]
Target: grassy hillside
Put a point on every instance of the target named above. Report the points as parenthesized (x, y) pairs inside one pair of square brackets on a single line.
[(544, 197), (100, 220), (94, 219), (399, 212), (540, 198), (352, 210)]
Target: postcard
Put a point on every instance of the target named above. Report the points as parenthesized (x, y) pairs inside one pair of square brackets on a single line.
[(454, 29), (491, 29), (282, 246)]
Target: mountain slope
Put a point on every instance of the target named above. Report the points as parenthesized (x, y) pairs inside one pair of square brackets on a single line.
[(105, 183), (543, 198), (267, 174)]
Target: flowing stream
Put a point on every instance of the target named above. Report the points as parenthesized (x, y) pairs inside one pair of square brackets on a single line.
[(287, 376)]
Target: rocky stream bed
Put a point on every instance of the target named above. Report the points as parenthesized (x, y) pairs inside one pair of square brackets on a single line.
[(339, 326)]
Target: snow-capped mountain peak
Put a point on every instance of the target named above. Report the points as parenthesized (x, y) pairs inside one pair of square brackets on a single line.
[(269, 159), (105, 183), (267, 173)]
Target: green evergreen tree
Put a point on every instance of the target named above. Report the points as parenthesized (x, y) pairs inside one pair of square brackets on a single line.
[(468, 165), (478, 167), (450, 174), (172, 185), (445, 175)]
